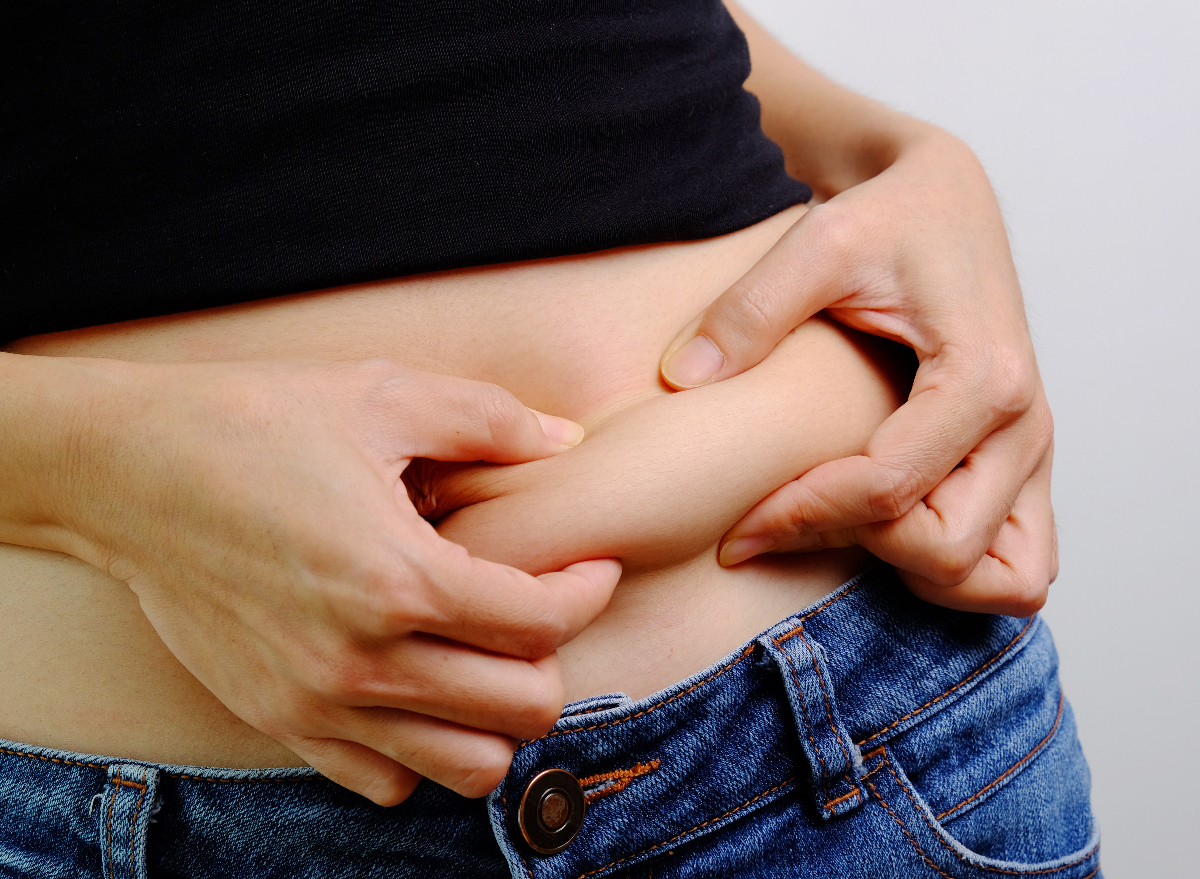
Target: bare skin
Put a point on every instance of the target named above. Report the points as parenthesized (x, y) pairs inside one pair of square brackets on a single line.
[(909, 244), (140, 467), (690, 463)]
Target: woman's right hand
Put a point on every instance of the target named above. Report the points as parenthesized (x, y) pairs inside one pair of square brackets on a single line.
[(257, 511)]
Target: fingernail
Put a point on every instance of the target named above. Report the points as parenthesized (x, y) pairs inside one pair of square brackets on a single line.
[(694, 364), (737, 551), (560, 430)]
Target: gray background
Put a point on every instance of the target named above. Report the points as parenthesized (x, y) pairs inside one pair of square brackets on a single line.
[(1087, 118)]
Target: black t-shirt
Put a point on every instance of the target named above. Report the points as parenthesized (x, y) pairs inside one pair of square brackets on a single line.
[(160, 157)]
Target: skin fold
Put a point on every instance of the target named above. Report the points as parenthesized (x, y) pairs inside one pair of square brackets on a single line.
[(657, 480), (209, 552)]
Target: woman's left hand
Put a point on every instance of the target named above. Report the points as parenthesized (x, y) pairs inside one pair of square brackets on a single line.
[(954, 488)]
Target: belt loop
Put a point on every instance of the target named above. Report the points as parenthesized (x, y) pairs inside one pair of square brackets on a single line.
[(124, 811), (835, 763)]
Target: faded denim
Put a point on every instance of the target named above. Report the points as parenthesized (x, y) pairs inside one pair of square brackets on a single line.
[(871, 735)]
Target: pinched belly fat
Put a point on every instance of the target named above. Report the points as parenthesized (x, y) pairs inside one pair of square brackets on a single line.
[(658, 480)]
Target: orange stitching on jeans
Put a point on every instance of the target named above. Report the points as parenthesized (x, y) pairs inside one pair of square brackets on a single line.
[(872, 772), (622, 777), (973, 674), (748, 802), (790, 633), (828, 601), (112, 801), (1036, 748), (799, 630), (645, 711), (954, 852), (854, 793), (904, 830), (504, 804), (828, 708), (804, 711), (121, 782), (51, 759), (816, 610), (133, 830)]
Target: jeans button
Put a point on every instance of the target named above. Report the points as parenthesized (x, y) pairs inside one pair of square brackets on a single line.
[(551, 811)]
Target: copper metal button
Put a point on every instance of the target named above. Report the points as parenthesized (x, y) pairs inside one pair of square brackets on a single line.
[(551, 811)]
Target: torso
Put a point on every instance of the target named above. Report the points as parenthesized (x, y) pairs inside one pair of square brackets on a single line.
[(82, 669)]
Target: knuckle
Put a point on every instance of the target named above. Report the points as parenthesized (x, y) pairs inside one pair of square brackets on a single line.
[(543, 632), (390, 790), (832, 232), (271, 719), (556, 632), (384, 373), (383, 366), (339, 679), (542, 639), (327, 680), (543, 706), (792, 519), (491, 765), (897, 489), (387, 607), (756, 308), (955, 561), (1012, 383), (500, 412), (1043, 426), (1028, 597), (408, 585)]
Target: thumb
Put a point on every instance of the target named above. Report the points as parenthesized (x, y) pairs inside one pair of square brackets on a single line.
[(452, 419), (796, 278)]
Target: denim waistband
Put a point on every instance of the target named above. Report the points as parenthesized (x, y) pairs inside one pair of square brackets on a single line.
[(858, 668), (791, 714)]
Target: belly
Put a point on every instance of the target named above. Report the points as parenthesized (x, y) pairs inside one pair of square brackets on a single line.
[(82, 669)]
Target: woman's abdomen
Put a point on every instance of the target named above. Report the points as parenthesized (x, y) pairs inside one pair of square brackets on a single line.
[(82, 669)]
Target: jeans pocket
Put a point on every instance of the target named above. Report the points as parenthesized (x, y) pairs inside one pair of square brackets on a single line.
[(993, 839), (995, 783)]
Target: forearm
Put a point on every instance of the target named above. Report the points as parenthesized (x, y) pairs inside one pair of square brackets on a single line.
[(832, 138)]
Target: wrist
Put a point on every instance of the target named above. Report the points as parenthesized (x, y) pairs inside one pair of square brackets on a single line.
[(832, 138), (893, 139)]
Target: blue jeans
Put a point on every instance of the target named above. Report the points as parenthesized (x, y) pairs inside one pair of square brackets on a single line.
[(870, 735)]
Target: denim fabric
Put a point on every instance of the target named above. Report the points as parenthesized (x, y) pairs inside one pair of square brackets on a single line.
[(870, 735)]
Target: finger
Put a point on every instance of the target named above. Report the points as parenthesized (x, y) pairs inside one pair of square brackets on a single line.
[(804, 272), (364, 771), (503, 610), (912, 451), (1015, 574), (469, 761), (982, 540), (433, 676), (944, 536), (452, 419)]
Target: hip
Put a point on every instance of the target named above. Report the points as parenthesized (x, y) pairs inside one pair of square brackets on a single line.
[(870, 734)]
